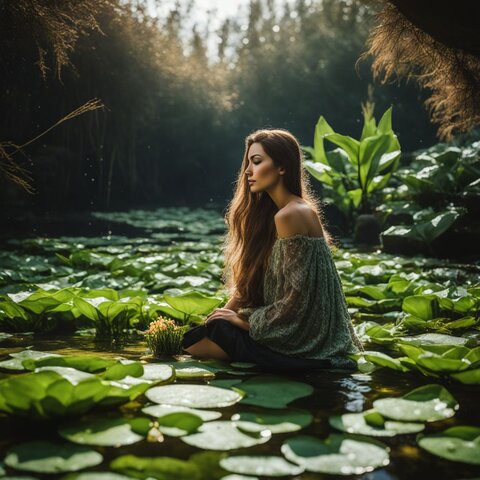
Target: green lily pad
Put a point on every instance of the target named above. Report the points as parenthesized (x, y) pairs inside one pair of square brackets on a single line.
[(277, 422), (469, 377), (272, 391), (160, 410), (234, 476), (438, 341), (426, 404), (339, 454), (49, 457), (357, 423), (223, 435), (95, 476), (225, 382), (178, 424), (193, 373), (381, 359), (15, 363), (269, 466), (84, 363), (460, 444), (160, 468), (111, 432), (158, 372), (243, 365), (195, 396)]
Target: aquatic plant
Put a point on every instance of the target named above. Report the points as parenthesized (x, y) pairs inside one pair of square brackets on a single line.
[(164, 337)]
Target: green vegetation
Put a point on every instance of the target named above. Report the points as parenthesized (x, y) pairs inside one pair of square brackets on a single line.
[(418, 318), (351, 173)]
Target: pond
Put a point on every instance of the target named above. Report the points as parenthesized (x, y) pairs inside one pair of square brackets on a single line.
[(173, 251)]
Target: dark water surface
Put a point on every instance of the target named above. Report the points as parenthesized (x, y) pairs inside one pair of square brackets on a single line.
[(335, 392)]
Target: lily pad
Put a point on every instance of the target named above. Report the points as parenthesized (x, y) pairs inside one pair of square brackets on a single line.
[(160, 410), (109, 432), (460, 444), (469, 377), (272, 391), (438, 341), (194, 396), (158, 372), (234, 476), (223, 435), (277, 422), (194, 372), (161, 468), (50, 457), (15, 363), (381, 359), (357, 423), (268, 466), (339, 454), (95, 476), (426, 404), (178, 424)]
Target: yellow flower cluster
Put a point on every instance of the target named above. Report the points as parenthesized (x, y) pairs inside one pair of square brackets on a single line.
[(161, 324)]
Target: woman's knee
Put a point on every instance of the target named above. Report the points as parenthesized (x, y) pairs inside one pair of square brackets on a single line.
[(217, 321)]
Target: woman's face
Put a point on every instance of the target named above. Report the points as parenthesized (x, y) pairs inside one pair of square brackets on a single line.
[(260, 169)]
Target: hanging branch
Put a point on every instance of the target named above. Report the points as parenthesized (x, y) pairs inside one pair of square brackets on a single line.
[(10, 169)]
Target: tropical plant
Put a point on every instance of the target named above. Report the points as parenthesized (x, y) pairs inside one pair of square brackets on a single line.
[(356, 169)]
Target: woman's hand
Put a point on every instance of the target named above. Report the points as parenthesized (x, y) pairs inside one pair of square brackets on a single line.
[(228, 315)]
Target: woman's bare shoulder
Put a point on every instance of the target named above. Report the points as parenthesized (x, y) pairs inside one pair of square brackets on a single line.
[(297, 219)]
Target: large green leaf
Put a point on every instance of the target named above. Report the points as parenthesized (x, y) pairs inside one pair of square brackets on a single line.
[(370, 152), (349, 144), (322, 128)]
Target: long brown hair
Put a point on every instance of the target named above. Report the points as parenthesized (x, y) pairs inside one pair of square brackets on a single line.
[(249, 216)]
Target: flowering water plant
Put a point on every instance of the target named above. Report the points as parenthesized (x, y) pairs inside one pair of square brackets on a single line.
[(164, 337)]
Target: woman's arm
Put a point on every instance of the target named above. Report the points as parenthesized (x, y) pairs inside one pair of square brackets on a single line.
[(232, 304)]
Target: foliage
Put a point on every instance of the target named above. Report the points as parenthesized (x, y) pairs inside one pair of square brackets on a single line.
[(357, 168), (164, 337), (439, 196)]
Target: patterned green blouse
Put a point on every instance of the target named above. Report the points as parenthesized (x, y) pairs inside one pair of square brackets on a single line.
[(305, 312)]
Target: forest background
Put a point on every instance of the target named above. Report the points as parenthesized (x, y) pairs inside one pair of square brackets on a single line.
[(172, 128)]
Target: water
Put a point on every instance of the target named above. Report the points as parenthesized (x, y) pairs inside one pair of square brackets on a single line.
[(335, 392)]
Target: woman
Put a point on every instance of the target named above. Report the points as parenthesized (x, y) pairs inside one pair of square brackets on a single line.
[(287, 309)]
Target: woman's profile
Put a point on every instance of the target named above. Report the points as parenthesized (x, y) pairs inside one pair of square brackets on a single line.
[(287, 309)]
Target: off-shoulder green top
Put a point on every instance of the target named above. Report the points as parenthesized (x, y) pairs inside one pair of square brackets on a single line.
[(305, 312)]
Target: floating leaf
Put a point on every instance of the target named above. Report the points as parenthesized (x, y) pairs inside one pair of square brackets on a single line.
[(111, 432), (95, 476), (16, 362), (223, 435), (177, 424), (272, 391), (49, 457), (277, 422), (161, 468), (269, 466), (339, 454), (460, 444), (160, 410), (361, 423), (195, 396), (427, 403)]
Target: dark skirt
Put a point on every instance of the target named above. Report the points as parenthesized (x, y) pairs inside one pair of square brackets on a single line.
[(240, 347)]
